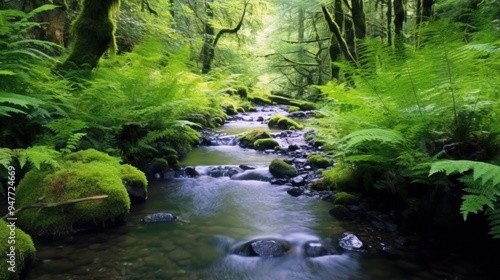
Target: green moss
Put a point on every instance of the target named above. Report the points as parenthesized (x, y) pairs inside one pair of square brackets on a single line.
[(264, 144), (90, 155), (133, 175), (280, 169), (303, 105), (342, 177), (281, 122), (260, 100), (74, 180), (292, 109), (248, 139), (319, 185), (343, 198), (24, 251), (318, 161)]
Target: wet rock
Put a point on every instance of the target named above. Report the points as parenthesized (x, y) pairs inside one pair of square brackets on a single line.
[(246, 167), (293, 147), (315, 249), (190, 171), (298, 181), (260, 118), (341, 212), (350, 242), (258, 174), (377, 216), (262, 248), (295, 191), (159, 217)]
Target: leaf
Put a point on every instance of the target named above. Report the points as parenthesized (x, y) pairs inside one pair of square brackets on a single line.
[(46, 7), (374, 134)]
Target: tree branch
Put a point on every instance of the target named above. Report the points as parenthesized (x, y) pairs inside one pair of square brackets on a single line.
[(306, 42), (55, 204), (231, 30)]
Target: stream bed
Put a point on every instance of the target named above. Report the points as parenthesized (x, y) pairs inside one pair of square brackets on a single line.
[(220, 213)]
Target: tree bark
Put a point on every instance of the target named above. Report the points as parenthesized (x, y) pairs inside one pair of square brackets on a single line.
[(358, 18), (337, 36), (93, 33), (389, 22), (399, 18), (424, 10)]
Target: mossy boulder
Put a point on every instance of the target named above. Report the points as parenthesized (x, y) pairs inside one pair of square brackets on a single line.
[(73, 181), (24, 251), (302, 105), (281, 122), (280, 169), (135, 183), (343, 177), (265, 144), (320, 185), (248, 139), (90, 155), (260, 100), (292, 109), (343, 198), (318, 161), (341, 212)]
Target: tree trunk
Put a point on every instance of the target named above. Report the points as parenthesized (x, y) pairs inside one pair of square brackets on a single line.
[(389, 21), (424, 10), (93, 33), (207, 52), (300, 38), (399, 18), (358, 18), (336, 31)]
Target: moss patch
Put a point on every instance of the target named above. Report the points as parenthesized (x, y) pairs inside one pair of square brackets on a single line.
[(281, 122), (260, 100), (342, 177), (292, 109), (248, 139), (264, 144), (302, 105), (318, 161), (90, 155), (343, 198), (319, 185), (280, 169), (24, 251)]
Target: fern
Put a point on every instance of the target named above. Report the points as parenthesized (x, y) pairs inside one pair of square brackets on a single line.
[(35, 155), (16, 103), (374, 134), (482, 188)]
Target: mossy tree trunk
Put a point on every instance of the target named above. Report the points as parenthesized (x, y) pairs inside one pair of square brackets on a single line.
[(389, 22), (92, 34), (208, 51), (424, 10)]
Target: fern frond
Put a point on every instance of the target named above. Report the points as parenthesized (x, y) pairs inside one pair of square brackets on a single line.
[(5, 157), (38, 155), (494, 218), (486, 172), (374, 134)]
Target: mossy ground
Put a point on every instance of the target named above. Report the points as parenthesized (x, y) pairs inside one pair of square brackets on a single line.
[(265, 144), (280, 169), (24, 251), (342, 177), (281, 122)]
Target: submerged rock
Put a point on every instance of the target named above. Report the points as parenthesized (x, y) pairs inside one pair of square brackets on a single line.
[(315, 249), (262, 248), (160, 217)]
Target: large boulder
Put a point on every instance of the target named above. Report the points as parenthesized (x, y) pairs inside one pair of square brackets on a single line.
[(282, 122), (135, 183), (350, 242), (82, 174), (248, 139), (265, 144), (280, 169)]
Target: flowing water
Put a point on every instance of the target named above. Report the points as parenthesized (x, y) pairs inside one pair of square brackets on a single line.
[(218, 214)]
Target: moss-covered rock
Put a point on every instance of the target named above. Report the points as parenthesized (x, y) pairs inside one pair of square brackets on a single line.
[(75, 180), (90, 155), (341, 212), (318, 161), (281, 122), (301, 104), (292, 109), (135, 183), (343, 198), (342, 177), (24, 251), (260, 100), (280, 169), (248, 139), (264, 144), (319, 185)]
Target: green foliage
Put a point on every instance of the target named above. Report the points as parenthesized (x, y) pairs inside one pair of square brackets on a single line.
[(342, 177), (24, 251), (280, 169), (482, 187), (265, 144), (37, 156)]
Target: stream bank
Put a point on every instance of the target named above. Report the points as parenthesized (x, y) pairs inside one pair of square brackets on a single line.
[(221, 214)]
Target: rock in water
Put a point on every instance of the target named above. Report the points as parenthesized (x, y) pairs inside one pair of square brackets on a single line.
[(268, 248), (315, 249), (349, 241), (159, 217)]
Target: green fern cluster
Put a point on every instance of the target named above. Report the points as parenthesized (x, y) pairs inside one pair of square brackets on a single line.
[(482, 181)]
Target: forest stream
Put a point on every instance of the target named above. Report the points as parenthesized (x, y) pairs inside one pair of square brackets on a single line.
[(220, 214)]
